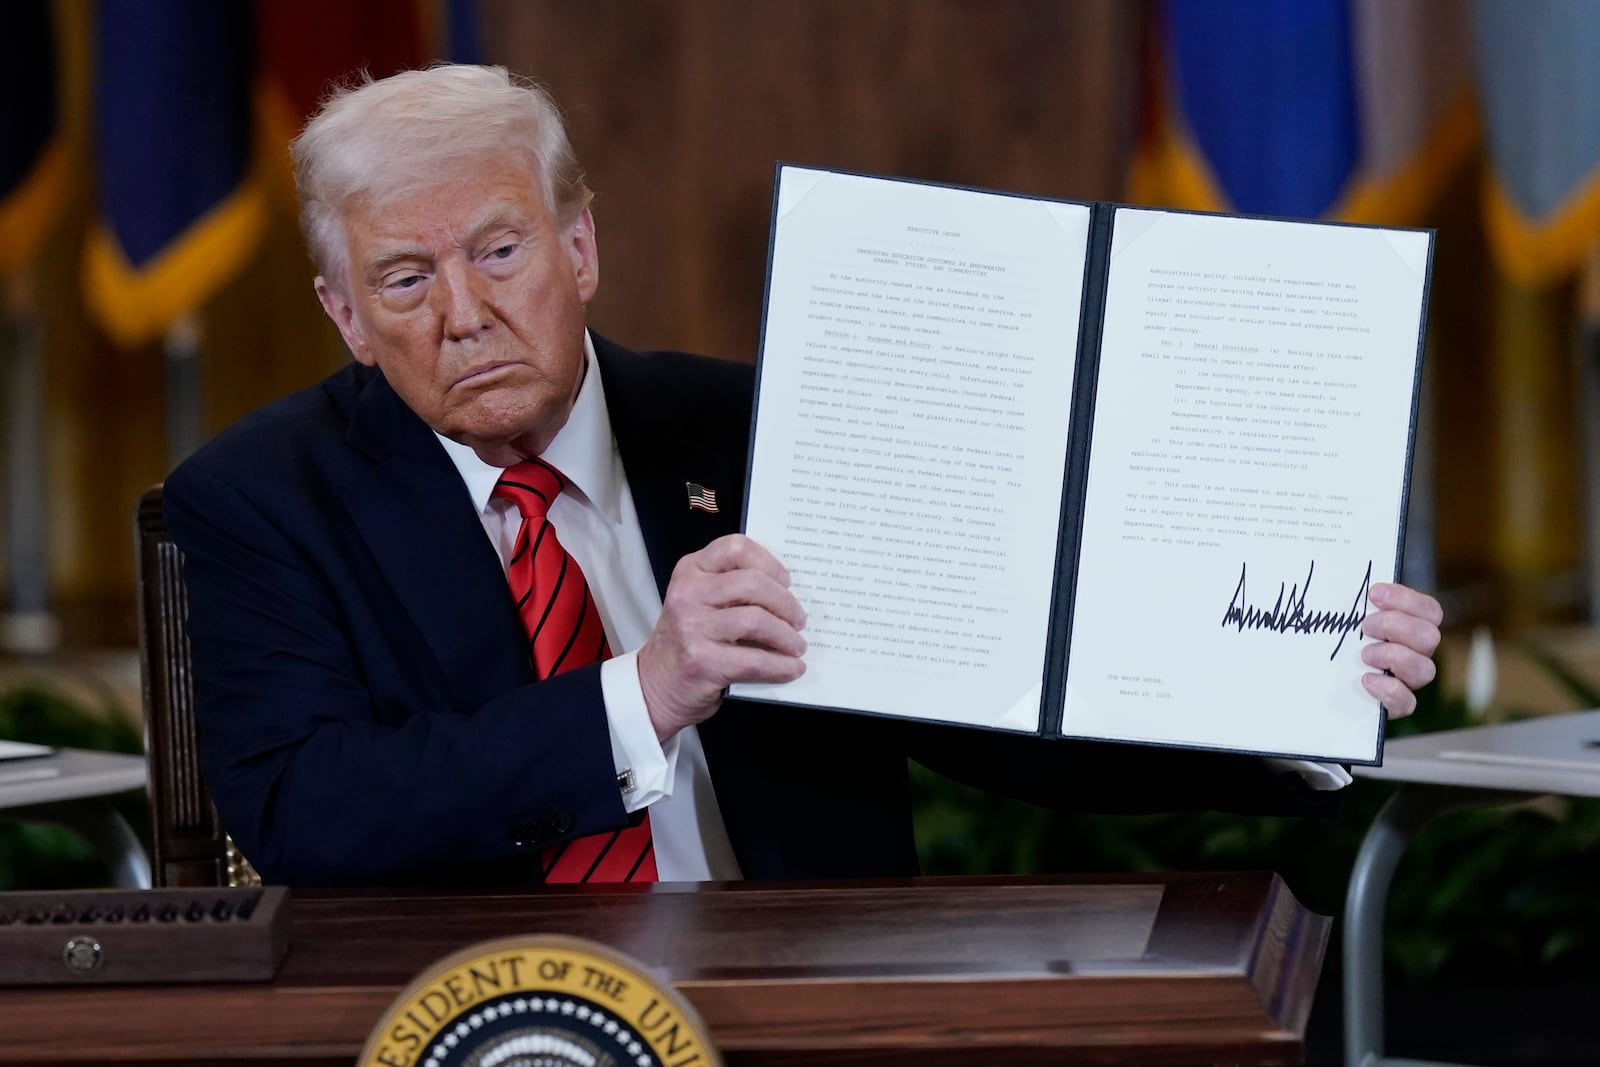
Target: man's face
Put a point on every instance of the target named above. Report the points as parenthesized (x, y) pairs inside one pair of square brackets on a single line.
[(469, 298)]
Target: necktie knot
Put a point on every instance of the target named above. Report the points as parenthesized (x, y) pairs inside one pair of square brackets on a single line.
[(532, 486)]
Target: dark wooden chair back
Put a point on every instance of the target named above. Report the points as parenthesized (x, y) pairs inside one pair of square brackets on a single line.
[(191, 847)]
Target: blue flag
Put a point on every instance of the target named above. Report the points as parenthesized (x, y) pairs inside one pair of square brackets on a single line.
[(1310, 108), (180, 211), (1268, 97)]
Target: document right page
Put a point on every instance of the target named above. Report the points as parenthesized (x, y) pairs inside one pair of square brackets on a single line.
[(1248, 464)]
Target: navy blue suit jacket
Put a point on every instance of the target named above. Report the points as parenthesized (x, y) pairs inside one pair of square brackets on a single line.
[(366, 707)]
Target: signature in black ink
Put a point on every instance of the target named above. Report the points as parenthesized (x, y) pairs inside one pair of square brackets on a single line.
[(1293, 616)]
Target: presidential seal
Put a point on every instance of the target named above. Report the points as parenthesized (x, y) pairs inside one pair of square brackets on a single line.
[(539, 1001)]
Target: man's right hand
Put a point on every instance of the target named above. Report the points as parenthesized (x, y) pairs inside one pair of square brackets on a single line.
[(728, 616)]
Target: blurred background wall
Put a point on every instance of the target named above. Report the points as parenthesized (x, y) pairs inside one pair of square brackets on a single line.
[(155, 289)]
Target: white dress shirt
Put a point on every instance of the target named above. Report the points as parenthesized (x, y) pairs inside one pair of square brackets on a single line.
[(595, 519)]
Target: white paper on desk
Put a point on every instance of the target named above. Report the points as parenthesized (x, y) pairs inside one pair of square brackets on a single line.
[(1250, 446), (916, 380), (10, 750)]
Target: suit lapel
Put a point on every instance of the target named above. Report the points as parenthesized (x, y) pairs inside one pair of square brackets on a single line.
[(662, 454), (666, 443), (418, 520)]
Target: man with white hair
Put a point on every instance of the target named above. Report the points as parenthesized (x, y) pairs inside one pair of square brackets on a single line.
[(464, 612)]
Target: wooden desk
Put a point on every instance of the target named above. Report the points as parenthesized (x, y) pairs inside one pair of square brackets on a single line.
[(1441, 772), (1169, 969), (70, 787)]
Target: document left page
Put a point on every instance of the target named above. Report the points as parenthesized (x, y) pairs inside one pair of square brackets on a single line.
[(907, 461)]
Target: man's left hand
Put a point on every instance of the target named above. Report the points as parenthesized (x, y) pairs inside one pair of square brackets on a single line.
[(1406, 626)]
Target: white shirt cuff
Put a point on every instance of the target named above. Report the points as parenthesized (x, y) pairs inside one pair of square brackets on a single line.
[(645, 767), (1322, 777)]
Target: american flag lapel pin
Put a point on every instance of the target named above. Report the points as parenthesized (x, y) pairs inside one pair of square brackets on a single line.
[(701, 498)]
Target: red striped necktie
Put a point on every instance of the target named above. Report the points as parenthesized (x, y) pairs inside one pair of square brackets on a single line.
[(564, 631)]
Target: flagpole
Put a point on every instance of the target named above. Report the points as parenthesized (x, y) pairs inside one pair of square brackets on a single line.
[(182, 348), (27, 624)]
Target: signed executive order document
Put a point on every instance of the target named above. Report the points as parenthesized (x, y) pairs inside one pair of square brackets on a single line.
[(1084, 470)]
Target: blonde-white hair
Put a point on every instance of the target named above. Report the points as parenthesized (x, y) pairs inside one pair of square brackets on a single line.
[(378, 141)]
